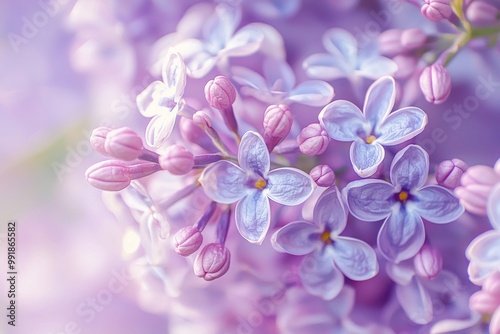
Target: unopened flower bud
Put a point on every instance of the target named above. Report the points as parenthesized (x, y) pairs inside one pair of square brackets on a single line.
[(484, 303), (278, 121), (481, 12), (177, 160), (436, 10), (220, 93), (313, 139), (476, 186), (187, 240), (492, 284), (108, 175), (212, 262), (389, 42), (428, 262), (412, 39), (202, 119), (190, 131), (98, 138), (123, 143), (449, 173), (435, 83), (323, 175)]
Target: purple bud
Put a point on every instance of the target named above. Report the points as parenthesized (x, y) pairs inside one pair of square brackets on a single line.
[(190, 131), (98, 138), (412, 39), (435, 83), (476, 186), (108, 175), (428, 262), (177, 160), (202, 119), (492, 284), (323, 175), (436, 10), (389, 42), (220, 93), (212, 262), (187, 240), (278, 121), (313, 139), (480, 12), (484, 303), (449, 173), (123, 143)]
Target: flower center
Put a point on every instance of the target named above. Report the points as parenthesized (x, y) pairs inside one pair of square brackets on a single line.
[(325, 237), (486, 318), (370, 139), (260, 184), (403, 196)]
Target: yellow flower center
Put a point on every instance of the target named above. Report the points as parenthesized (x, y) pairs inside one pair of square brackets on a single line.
[(325, 237), (260, 184), (486, 318), (403, 196), (370, 139)]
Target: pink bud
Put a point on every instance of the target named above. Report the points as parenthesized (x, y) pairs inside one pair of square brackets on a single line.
[(220, 93), (495, 322), (278, 120), (177, 160), (428, 262), (435, 83), (476, 186), (436, 10), (407, 65), (492, 284), (187, 240), (483, 302), (313, 139), (190, 131), (98, 138), (212, 262), (123, 143), (412, 39), (323, 175), (202, 119), (449, 173), (108, 175), (389, 42), (480, 12)]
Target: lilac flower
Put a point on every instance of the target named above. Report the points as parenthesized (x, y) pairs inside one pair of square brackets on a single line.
[(163, 100), (251, 184), (484, 251), (278, 85), (373, 128), (345, 60), (219, 42), (403, 203), (328, 254)]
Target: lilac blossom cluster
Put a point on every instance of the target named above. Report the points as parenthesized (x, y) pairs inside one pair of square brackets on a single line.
[(244, 178)]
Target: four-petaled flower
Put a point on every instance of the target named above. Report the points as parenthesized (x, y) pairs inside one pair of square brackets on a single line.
[(251, 184), (163, 100), (328, 255), (403, 203), (374, 127)]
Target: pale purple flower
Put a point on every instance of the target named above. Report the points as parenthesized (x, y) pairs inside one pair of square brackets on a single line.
[(484, 251), (402, 203), (329, 256), (163, 100), (345, 60), (373, 128), (277, 86), (251, 184)]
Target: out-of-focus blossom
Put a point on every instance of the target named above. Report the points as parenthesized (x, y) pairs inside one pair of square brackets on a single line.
[(481, 12), (403, 203), (449, 173), (475, 188), (251, 184), (373, 128)]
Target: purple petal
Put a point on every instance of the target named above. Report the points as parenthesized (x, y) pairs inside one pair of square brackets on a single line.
[(253, 155), (456, 326), (437, 204), (401, 235), (314, 93), (330, 211), (249, 78), (159, 128), (320, 277), (415, 301), (279, 75), (376, 67), (485, 249), (355, 258), (369, 200), (221, 25), (289, 186), (365, 157), (253, 217), (246, 41), (343, 121), (296, 238), (379, 100), (410, 167), (224, 182), (341, 44), (324, 66), (174, 75), (479, 272), (401, 125), (493, 207)]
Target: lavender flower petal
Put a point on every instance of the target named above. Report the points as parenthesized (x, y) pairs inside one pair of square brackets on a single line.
[(343, 121), (253, 217), (224, 182), (369, 200), (296, 238), (377, 66), (320, 277), (314, 93), (437, 205), (342, 45), (379, 100), (485, 249), (330, 211), (289, 186), (355, 258), (324, 66), (415, 301), (410, 167), (401, 125), (253, 155), (366, 158)]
